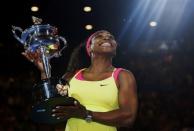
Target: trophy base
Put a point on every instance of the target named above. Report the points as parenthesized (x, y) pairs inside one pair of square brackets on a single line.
[(42, 112)]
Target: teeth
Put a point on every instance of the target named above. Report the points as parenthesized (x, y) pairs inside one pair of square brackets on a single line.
[(106, 44)]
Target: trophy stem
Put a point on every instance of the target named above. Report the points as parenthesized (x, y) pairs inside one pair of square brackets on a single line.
[(45, 60)]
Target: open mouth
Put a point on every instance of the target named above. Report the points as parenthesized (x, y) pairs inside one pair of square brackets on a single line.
[(106, 44)]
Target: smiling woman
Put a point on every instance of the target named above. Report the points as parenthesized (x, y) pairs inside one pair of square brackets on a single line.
[(104, 42), (106, 96)]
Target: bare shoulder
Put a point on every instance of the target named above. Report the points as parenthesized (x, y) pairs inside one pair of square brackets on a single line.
[(127, 74), (126, 77)]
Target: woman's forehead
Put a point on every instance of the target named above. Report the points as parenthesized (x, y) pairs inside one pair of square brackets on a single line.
[(102, 32)]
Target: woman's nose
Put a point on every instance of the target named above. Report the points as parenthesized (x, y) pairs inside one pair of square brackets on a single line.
[(106, 38)]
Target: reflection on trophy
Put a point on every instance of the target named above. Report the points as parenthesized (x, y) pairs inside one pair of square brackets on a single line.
[(44, 94)]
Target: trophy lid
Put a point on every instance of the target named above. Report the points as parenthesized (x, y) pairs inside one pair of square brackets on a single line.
[(36, 20)]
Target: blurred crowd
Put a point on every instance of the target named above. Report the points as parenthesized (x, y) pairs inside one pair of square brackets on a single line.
[(165, 90)]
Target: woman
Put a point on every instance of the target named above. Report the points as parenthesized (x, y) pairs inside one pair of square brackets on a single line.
[(107, 96)]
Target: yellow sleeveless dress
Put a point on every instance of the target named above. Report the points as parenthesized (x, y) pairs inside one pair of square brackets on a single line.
[(99, 96)]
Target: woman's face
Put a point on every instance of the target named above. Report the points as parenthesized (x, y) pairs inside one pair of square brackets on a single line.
[(103, 42)]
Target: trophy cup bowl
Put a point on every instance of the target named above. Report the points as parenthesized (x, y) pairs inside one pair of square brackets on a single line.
[(44, 94), (38, 35)]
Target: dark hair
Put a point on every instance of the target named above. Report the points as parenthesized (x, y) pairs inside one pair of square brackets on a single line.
[(79, 59)]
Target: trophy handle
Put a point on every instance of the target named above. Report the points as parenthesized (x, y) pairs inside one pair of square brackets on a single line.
[(64, 44), (14, 29), (58, 54)]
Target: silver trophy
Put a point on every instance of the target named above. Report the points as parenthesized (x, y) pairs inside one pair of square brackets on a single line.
[(44, 94)]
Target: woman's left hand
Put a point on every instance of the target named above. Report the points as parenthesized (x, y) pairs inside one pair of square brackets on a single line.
[(66, 112)]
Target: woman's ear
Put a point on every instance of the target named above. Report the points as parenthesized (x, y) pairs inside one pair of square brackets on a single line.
[(91, 48)]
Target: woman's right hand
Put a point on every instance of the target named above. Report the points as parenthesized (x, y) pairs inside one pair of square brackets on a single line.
[(35, 57)]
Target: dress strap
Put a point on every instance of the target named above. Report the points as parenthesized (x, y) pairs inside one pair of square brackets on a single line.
[(78, 75), (116, 73), (113, 72)]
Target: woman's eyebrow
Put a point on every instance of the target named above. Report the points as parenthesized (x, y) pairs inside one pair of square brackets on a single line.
[(101, 35)]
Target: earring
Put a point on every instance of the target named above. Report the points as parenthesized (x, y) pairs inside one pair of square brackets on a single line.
[(92, 54)]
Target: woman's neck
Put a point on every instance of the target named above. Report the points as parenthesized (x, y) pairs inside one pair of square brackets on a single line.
[(99, 65)]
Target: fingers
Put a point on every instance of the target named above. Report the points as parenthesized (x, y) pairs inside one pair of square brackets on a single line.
[(64, 108), (60, 116), (32, 56), (26, 56), (62, 89), (63, 112), (76, 103)]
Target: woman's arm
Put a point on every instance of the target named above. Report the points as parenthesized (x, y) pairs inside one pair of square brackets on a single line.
[(128, 103)]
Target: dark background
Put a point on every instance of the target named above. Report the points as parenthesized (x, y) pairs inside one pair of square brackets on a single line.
[(160, 57)]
